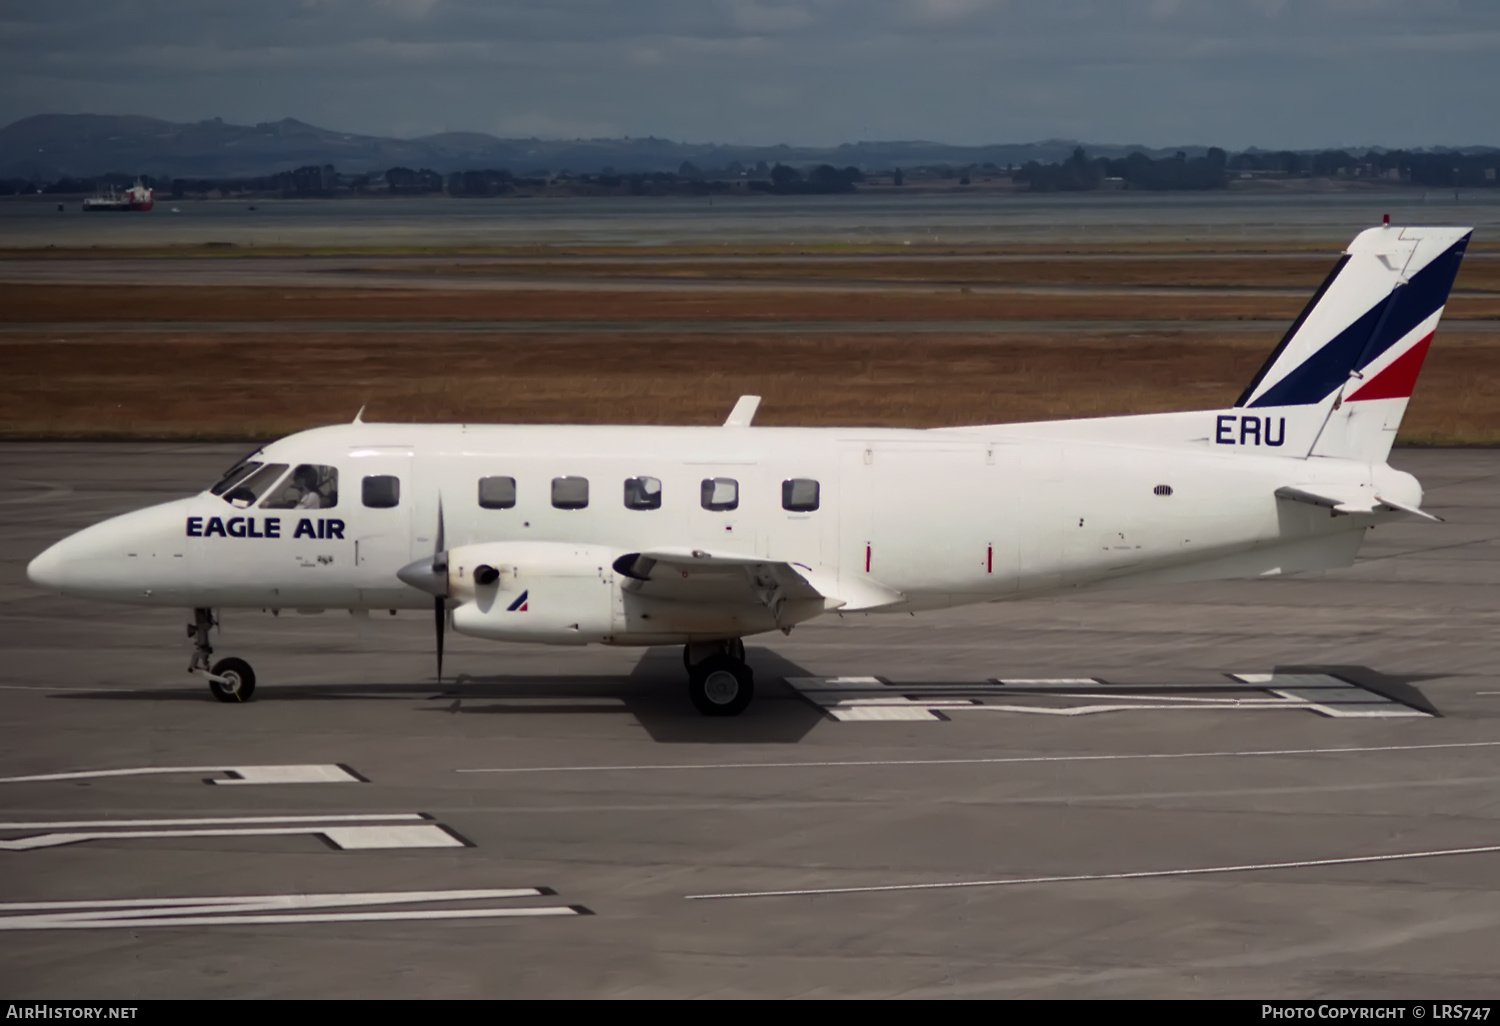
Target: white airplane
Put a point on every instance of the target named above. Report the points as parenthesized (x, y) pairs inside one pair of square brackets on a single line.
[(700, 536)]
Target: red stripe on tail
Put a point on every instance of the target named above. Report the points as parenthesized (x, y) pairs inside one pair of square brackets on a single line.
[(1397, 380)]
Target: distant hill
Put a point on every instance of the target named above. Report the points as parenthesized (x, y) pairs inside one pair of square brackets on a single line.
[(50, 146)]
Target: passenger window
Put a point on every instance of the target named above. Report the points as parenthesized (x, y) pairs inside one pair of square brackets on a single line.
[(311, 486), (642, 493), (721, 493), (497, 492), (800, 495), (381, 491), (570, 492), (249, 489)]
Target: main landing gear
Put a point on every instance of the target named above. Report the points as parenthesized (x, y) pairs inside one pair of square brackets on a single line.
[(230, 680), (720, 683)]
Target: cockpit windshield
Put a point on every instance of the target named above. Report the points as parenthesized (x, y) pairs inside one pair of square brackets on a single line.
[(253, 486), (233, 475)]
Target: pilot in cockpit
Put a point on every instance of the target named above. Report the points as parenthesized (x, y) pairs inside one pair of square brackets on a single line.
[(309, 487), (305, 479)]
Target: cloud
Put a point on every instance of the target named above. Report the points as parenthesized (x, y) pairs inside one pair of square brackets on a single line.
[(1231, 72)]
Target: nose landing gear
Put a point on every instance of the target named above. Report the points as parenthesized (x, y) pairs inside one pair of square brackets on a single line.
[(720, 682), (230, 680)]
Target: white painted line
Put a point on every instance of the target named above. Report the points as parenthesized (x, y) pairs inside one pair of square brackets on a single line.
[(1023, 681), (837, 683), (255, 902), (348, 838), (895, 700), (320, 774), (882, 714), (326, 917), (1249, 704), (999, 760), (1344, 712), (30, 687), (1141, 875), (363, 838), (311, 774), (360, 817), (252, 909)]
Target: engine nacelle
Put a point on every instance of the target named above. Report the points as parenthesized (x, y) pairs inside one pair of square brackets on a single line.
[(550, 592)]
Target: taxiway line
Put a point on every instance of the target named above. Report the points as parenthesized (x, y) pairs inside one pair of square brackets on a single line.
[(997, 760), (219, 821), (1085, 877)]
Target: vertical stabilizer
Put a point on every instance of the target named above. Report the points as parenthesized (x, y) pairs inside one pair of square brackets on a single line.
[(1339, 382)]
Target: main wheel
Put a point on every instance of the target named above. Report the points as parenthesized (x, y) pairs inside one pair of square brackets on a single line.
[(240, 680), (721, 686)]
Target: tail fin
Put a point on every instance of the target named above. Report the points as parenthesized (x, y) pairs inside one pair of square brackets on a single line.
[(1339, 382)]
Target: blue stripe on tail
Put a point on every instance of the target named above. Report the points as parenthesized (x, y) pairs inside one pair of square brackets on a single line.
[(1375, 331)]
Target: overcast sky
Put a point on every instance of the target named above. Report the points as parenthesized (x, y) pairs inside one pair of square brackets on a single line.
[(1236, 73)]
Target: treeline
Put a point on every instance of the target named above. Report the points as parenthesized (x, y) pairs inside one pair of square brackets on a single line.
[(327, 181), (1080, 172), (1216, 169)]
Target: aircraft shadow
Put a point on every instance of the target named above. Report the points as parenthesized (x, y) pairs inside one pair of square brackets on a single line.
[(655, 693)]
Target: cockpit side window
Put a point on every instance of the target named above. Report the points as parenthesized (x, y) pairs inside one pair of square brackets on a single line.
[(311, 486), (234, 475), (251, 488)]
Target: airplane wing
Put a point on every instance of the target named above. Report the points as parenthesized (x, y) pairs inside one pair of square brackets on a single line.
[(696, 575), (1361, 502)]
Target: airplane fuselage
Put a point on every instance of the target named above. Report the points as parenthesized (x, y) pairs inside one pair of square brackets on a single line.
[(904, 520)]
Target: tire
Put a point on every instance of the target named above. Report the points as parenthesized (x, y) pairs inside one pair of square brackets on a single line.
[(721, 686), (239, 672)]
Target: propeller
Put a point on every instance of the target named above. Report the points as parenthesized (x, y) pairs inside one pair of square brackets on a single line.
[(431, 575), (440, 602)]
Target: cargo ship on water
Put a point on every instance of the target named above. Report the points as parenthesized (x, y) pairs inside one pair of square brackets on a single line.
[(137, 197)]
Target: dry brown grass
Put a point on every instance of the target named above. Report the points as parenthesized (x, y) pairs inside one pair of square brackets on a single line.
[(262, 385), (63, 303), (233, 383), (1303, 273)]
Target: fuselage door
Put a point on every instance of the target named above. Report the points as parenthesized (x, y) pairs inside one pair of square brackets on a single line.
[(381, 496)]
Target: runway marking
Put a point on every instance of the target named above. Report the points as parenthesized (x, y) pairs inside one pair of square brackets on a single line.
[(1084, 877), (325, 773), (997, 760), (353, 817), (271, 908), (849, 699), (349, 832)]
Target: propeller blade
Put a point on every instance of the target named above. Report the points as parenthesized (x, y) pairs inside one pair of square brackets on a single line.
[(440, 603), (440, 622)]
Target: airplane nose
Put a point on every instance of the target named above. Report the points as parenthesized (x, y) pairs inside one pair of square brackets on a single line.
[(125, 558), (46, 570)]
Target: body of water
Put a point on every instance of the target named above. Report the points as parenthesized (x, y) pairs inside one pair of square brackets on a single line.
[(974, 219)]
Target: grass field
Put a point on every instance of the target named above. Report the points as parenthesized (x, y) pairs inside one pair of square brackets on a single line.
[(84, 360)]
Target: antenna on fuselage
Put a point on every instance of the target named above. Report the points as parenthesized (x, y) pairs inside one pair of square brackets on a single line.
[(358, 416), (743, 412)]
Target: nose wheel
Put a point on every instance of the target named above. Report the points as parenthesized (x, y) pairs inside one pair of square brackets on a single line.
[(230, 680)]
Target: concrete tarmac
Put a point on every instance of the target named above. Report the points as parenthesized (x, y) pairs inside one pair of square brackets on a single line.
[(1218, 851)]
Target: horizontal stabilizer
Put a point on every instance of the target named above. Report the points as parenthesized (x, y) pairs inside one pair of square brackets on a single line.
[(1354, 502)]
